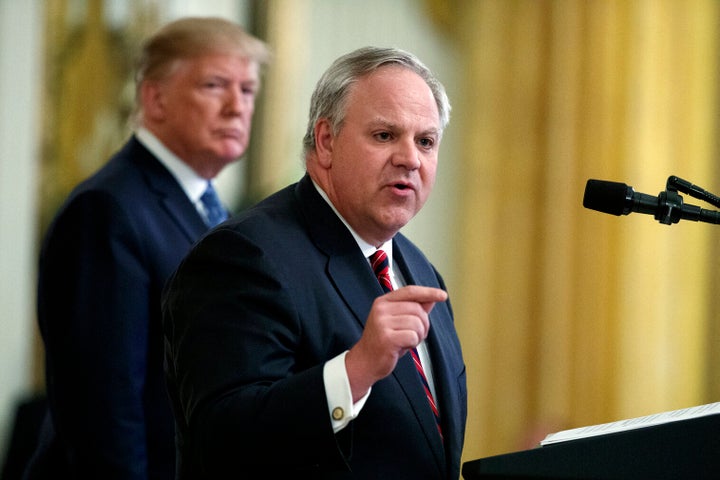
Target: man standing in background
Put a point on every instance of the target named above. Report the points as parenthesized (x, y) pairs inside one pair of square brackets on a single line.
[(116, 240)]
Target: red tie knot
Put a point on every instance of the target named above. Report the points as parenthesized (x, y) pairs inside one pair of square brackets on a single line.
[(381, 267)]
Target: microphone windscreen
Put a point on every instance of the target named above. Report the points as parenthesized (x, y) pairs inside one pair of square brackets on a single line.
[(606, 197)]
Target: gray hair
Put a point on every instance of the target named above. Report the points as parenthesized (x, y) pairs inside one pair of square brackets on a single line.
[(331, 92), (191, 37)]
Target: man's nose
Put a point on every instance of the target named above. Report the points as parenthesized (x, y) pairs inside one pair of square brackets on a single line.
[(407, 155), (236, 102)]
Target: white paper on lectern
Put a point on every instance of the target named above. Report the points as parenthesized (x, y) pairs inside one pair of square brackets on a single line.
[(632, 423)]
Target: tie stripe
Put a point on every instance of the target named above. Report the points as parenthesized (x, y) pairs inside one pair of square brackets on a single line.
[(381, 266), (426, 385)]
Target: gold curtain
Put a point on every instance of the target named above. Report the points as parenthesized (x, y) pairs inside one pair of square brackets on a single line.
[(273, 151), (88, 90), (567, 316)]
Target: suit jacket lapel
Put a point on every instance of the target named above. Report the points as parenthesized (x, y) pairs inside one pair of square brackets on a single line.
[(443, 345), (347, 269), (406, 373), (170, 195)]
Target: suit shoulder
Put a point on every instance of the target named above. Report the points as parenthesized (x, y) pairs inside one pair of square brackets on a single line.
[(275, 213)]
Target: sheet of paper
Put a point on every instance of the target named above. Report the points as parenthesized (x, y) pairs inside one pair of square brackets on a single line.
[(632, 423)]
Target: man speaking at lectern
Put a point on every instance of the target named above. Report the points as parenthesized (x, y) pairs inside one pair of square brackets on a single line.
[(307, 338)]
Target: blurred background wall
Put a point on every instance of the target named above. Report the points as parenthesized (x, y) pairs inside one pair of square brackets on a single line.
[(567, 316)]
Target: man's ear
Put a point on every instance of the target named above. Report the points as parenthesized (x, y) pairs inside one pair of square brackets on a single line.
[(152, 98), (324, 142)]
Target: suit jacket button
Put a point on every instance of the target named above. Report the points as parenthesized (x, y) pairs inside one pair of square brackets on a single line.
[(338, 413)]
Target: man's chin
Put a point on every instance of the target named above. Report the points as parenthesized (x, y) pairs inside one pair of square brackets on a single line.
[(230, 155), (393, 224)]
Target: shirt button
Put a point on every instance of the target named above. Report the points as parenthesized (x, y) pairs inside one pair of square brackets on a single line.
[(338, 413)]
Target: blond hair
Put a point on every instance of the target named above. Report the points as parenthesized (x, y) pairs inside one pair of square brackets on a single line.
[(193, 37)]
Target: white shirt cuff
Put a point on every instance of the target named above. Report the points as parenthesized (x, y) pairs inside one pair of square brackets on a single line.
[(339, 396)]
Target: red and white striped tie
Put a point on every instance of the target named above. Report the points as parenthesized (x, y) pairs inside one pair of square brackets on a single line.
[(381, 267)]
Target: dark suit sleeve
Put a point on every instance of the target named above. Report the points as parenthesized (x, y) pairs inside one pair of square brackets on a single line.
[(93, 311), (250, 393)]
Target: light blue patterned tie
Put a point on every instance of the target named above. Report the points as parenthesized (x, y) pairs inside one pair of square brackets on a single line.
[(216, 213)]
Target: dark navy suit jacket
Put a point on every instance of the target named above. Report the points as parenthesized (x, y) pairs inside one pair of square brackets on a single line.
[(103, 264), (252, 315)]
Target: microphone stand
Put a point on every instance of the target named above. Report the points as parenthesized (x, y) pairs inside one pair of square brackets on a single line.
[(676, 183), (673, 208)]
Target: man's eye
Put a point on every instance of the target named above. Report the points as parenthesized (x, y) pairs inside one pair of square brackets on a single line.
[(426, 142), (214, 82), (383, 136)]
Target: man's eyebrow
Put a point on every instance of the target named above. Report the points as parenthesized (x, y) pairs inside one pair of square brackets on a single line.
[(431, 132), (381, 122)]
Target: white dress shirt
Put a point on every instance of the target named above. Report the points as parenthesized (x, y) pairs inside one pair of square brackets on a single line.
[(192, 184)]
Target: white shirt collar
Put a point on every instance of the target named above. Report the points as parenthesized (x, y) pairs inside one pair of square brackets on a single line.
[(193, 184), (366, 248)]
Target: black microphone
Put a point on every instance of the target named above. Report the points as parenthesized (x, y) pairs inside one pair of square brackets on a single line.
[(620, 199)]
